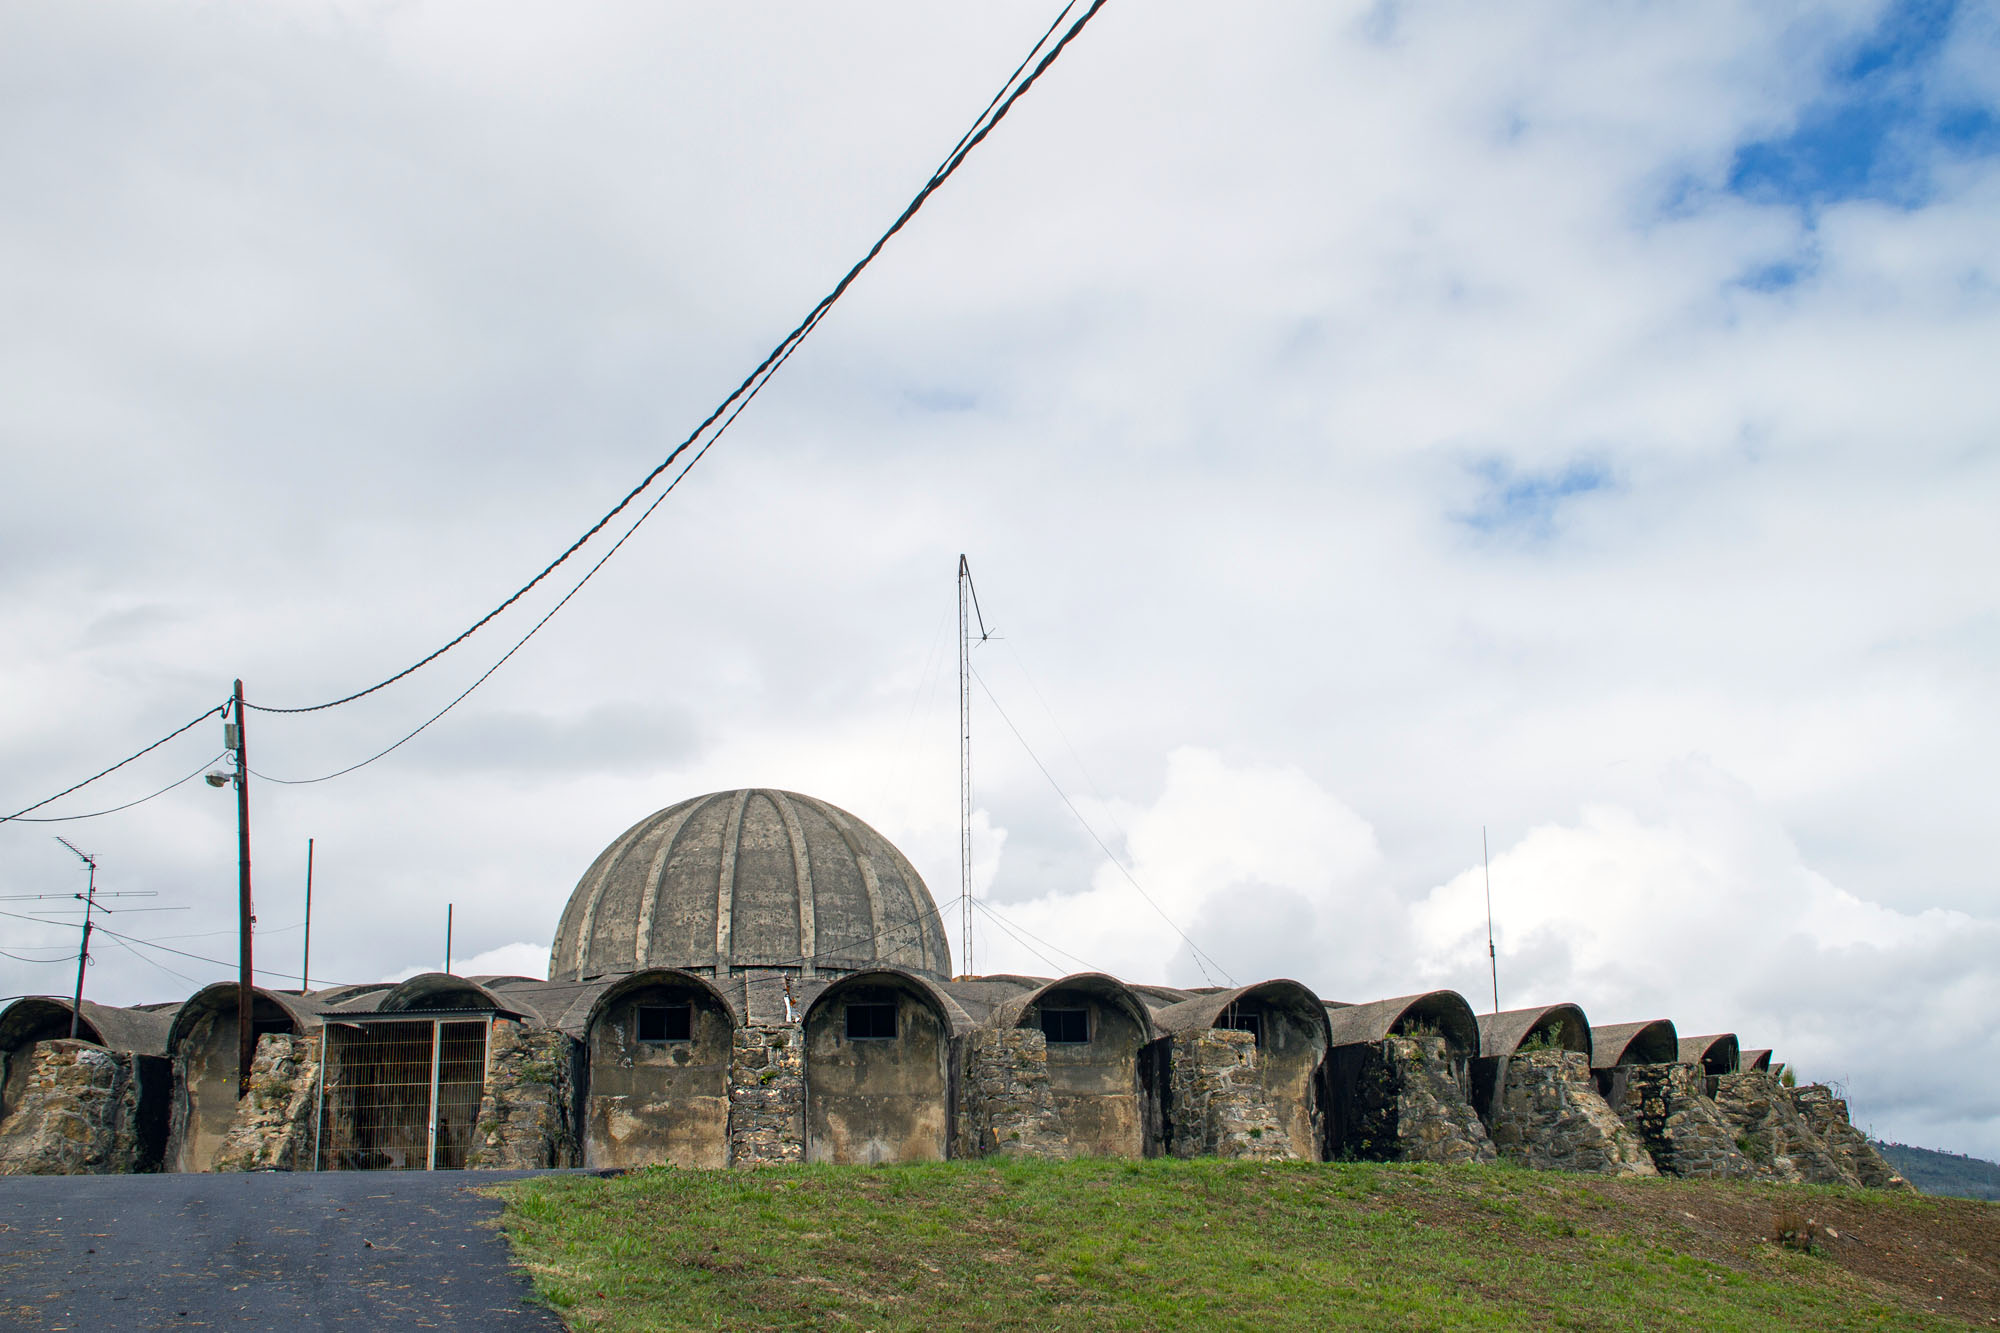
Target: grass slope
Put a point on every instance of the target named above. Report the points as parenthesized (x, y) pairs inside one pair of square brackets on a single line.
[(1217, 1245)]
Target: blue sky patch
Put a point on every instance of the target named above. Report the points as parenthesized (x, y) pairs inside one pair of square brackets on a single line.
[(1527, 503), (1878, 126)]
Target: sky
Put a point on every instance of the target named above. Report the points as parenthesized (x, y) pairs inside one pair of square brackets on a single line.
[(1376, 431)]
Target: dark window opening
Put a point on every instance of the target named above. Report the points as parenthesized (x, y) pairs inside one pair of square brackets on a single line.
[(1250, 1023), (265, 1027), (666, 1022), (1070, 1026), (871, 1022)]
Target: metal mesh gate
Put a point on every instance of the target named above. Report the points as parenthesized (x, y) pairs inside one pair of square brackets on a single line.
[(400, 1095)]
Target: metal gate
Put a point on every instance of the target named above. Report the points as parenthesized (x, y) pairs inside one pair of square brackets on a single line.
[(400, 1094)]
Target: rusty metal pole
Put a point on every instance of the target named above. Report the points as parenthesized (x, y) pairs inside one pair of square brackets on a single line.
[(246, 1034)]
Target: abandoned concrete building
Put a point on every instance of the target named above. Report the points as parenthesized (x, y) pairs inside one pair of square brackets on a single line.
[(757, 976)]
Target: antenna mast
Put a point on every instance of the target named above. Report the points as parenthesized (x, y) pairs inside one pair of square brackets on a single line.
[(1492, 955), (83, 949), (964, 770), (968, 615)]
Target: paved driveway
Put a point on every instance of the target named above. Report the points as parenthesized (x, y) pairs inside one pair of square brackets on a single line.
[(296, 1253)]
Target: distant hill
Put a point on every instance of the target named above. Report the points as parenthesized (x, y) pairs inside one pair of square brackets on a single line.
[(1944, 1172)]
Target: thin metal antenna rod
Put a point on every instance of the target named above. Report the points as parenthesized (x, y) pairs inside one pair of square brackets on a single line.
[(968, 614), (305, 957), (447, 937), (1492, 955), (964, 771), (83, 949)]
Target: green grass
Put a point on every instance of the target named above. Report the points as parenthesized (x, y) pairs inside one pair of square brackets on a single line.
[(1166, 1245)]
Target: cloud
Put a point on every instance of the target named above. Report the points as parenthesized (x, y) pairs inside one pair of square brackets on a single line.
[(1702, 909)]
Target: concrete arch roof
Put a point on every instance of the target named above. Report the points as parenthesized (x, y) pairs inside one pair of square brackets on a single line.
[(750, 879), (143, 1031), (426, 988), (1503, 1033), (1445, 1010), (1202, 1011), (656, 976), (1653, 1042), (222, 995), (1103, 985), (1759, 1060), (954, 1017), (1718, 1053)]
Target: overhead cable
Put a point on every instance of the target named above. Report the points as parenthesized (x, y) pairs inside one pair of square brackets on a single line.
[(996, 110), (63, 819), (1197, 951), (186, 726)]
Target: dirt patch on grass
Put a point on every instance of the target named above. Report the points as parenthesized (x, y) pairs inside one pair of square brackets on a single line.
[(1937, 1255)]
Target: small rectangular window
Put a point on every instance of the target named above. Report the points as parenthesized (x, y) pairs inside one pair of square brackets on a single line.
[(1069, 1026), (666, 1022), (1250, 1023), (871, 1022)]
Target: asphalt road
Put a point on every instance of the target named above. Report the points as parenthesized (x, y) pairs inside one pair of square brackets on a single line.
[(296, 1253)]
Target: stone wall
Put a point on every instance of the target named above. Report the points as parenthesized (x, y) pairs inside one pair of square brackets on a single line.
[(76, 1109), (1548, 1115), (524, 1110), (1403, 1099), (1826, 1115), (1667, 1107), (274, 1126), (1772, 1133), (1435, 1121), (1009, 1108), (1220, 1106), (767, 1095)]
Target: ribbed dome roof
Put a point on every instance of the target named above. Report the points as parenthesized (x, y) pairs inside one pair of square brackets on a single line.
[(751, 878)]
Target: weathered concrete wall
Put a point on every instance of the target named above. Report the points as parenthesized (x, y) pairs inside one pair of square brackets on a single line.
[(1289, 1062), (1095, 1084), (1667, 1107), (1770, 1131), (1826, 1115), (204, 1092), (1010, 1108), (767, 1095), (524, 1109), (659, 1102), (1221, 1104), (1548, 1115), (874, 1101), (273, 1127), (74, 1108)]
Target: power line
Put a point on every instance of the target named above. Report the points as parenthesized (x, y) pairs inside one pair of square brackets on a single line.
[(522, 642), (186, 726), (20, 958), (995, 111), (63, 819), (1054, 967), (1198, 953), (1087, 965), (1011, 91)]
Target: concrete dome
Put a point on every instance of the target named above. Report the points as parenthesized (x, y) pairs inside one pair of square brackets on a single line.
[(750, 879)]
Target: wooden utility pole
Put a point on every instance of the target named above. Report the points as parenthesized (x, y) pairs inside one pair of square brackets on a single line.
[(246, 1032), (83, 949)]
